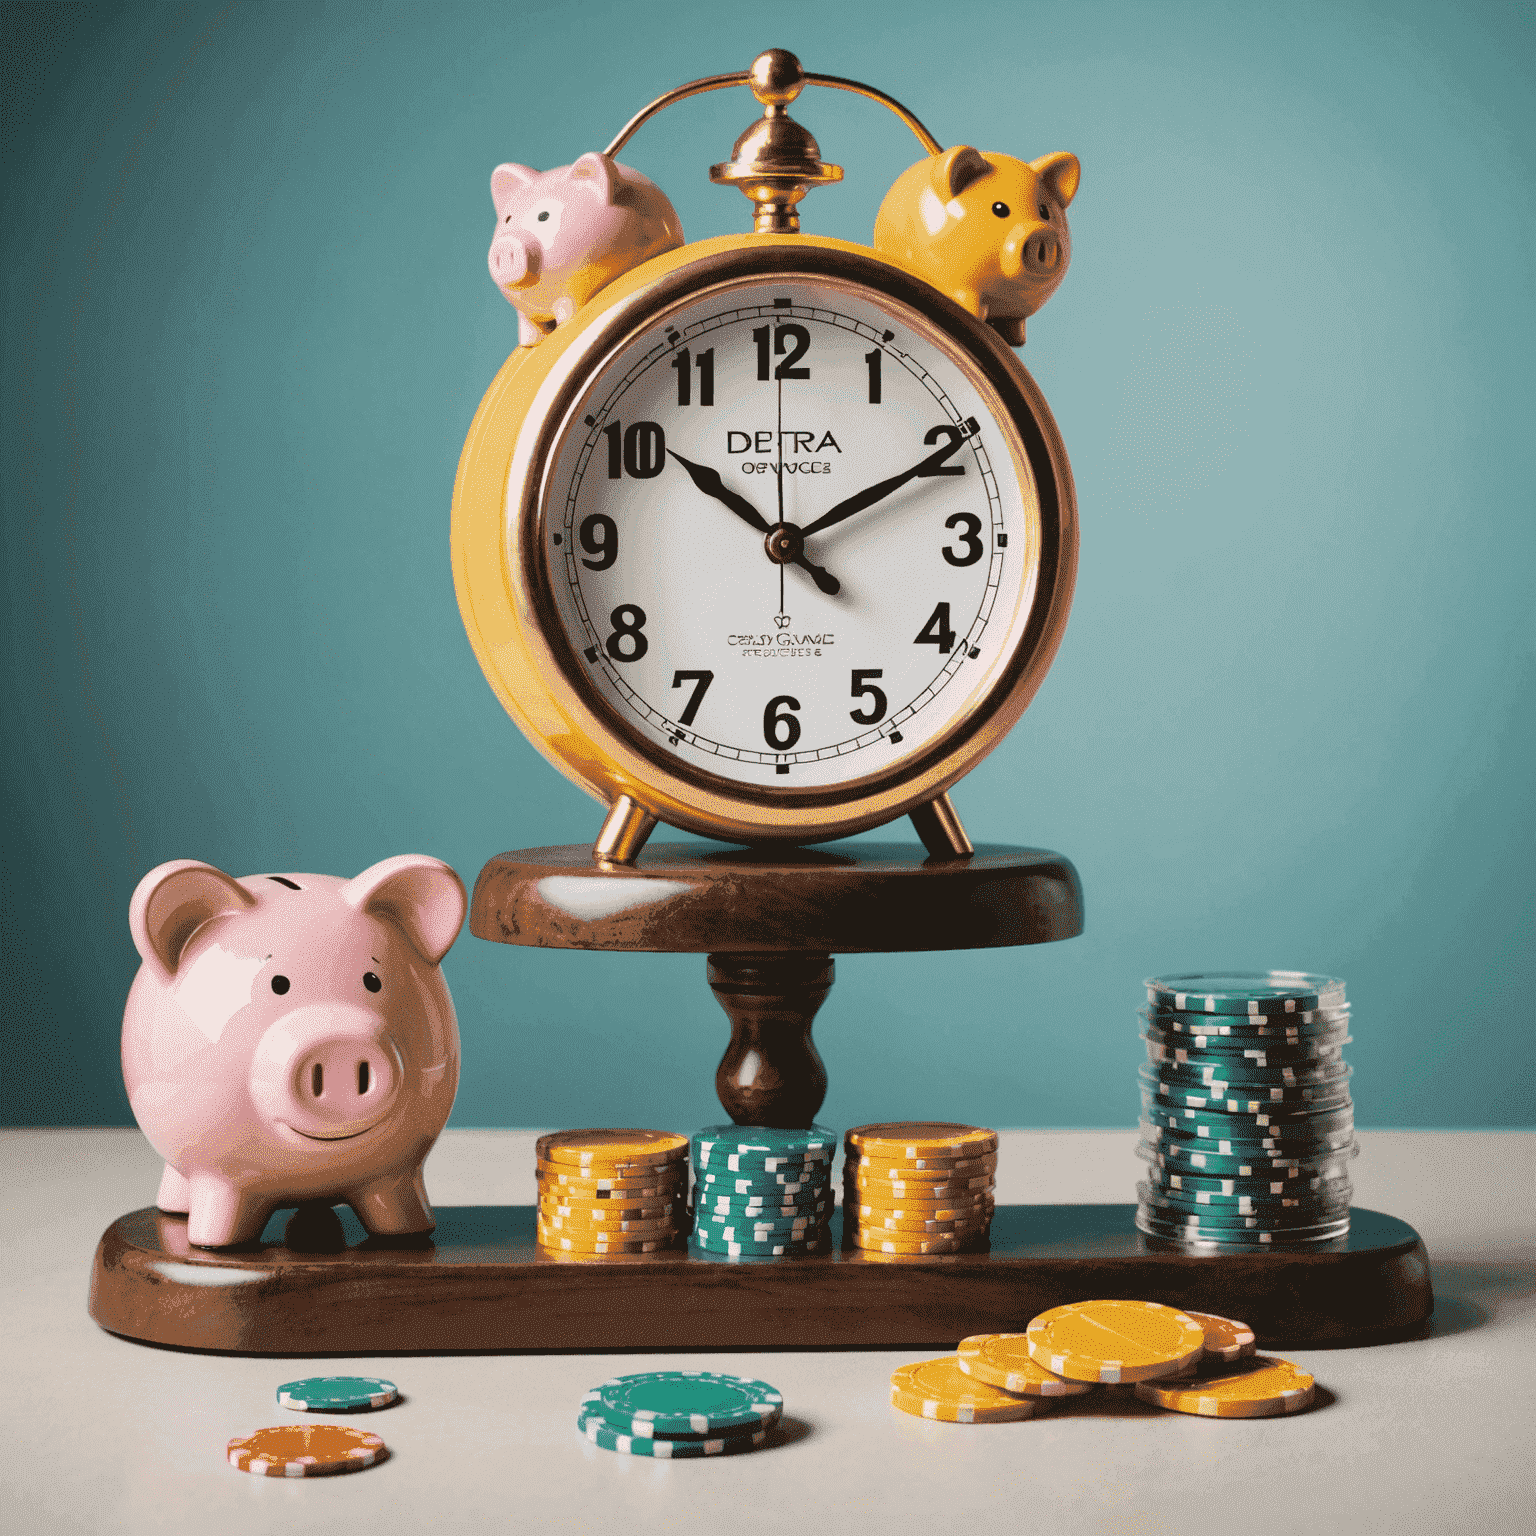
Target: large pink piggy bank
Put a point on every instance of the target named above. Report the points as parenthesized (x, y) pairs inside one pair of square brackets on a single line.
[(563, 234), (988, 230), (290, 1038)]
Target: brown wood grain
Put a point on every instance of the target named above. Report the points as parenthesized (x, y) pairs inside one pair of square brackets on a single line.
[(481, 1284)]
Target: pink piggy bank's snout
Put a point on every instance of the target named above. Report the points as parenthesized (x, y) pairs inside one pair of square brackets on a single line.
[(514, 262), (326, 1072)]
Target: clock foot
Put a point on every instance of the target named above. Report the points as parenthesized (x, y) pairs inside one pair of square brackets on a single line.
[(771, 1073), (938, 825), (625, 830)]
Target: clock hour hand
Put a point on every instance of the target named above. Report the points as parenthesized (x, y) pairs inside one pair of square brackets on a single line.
[(709, 481), (867, 498), (783, 551)]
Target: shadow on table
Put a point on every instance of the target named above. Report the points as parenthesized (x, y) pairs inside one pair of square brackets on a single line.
[(1469, 1294)]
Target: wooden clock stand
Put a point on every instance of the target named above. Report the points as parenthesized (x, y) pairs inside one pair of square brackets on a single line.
[(770, 924)]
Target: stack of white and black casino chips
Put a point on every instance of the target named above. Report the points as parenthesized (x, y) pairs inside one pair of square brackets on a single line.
[(761, 1193), (1247, 1125)]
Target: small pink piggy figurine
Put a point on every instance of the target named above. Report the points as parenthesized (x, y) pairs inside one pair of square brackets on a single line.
[(290, 1038), (563, 234), (988, 230)]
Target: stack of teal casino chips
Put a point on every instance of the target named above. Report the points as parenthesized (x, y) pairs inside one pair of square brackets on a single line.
[(677, 1415), (1247, 1124), (761, 1193)]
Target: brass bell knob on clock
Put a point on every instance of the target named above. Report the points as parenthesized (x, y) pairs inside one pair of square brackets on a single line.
[(776, 161)]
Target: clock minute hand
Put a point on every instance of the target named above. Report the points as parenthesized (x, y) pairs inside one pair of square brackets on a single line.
[(867, 498), (708, 480)]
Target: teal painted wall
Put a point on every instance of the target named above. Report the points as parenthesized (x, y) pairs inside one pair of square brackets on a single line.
[(247, 321)]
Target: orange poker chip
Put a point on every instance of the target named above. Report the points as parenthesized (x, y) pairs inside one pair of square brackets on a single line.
[(305, 1450), (906, 1140), (613, 1148)]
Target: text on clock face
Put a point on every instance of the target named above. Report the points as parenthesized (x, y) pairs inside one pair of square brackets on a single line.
[(674, 585)]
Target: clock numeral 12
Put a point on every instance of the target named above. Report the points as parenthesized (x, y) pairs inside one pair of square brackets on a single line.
[(706, 362), (640, 452), (793, 337)]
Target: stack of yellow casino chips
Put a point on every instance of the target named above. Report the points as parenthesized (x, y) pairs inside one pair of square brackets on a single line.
[(918, 1186), (611, 1191), (1189, 1362)]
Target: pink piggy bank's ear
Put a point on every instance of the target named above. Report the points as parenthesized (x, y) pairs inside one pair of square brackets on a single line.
[(506, 179), (172, 902), (423, 896), (598, 168), (1061, 173), (956, 169)]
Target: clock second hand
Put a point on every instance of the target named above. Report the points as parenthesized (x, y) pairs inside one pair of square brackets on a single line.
[(709, 482)]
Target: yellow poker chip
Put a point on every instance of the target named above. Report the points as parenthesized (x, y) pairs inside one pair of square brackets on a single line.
[(555, 1178), (608, 1231), (1115, 1340), (939, 1389), (587, 1242), (614, 1148), (910, 1226), (904, 1190), (955, 1208), (305, 1450), (607, 1212), (936, 1169), (1003, 1360), (1250, 1389), (913, 1243), (906, 1140), (1225, 1337)]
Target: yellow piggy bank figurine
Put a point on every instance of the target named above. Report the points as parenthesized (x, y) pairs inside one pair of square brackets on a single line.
[(988, 230)]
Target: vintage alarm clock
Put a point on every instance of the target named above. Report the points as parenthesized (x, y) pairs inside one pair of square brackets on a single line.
[(770, 537)]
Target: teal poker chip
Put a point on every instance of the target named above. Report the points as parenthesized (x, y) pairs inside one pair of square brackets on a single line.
[(1231, 1026), (777, 1248), (715, 1141), (685, 1402), (1302, 1205), (798, 1220), (1239, 1242), (1250, 993), (714, 1232), (601, 1433), (1249, 1233), (1183, 1157), (768, 1186), (1273, 1185), (757, 1164), (1242, 1221), (336, 1394), (1220, 1046), (741, 1205), (1247, 1076), (1261, 1126)]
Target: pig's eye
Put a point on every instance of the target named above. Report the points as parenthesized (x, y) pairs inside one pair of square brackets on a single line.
[(1045, 213), (371, 981), (1000, 209), (280, 984), (544, 216)]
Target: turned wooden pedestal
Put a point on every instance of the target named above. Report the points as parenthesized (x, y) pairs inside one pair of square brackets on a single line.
[(770, 924)]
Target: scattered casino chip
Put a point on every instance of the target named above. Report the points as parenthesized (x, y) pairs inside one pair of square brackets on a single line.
[(336, 1394), (1114, 1341), (603, 1434), (671, 1403), (305, 1450), (1225, 1338), (939, 1389), (1003, 1360), (1255, 1388)]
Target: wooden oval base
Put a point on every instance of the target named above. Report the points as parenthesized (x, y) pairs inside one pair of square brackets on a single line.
[(481, 1284)]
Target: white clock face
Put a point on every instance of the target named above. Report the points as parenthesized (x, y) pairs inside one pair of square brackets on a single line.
[(787, 538)]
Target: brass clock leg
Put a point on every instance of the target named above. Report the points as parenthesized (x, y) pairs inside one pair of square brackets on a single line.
[(624, 832), (770, 1073), (938, 825)]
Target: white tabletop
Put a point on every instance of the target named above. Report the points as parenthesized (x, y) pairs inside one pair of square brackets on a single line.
[(1423, 1437)]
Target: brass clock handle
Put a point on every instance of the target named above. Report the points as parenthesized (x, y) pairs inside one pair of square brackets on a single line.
[(776, 161)]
